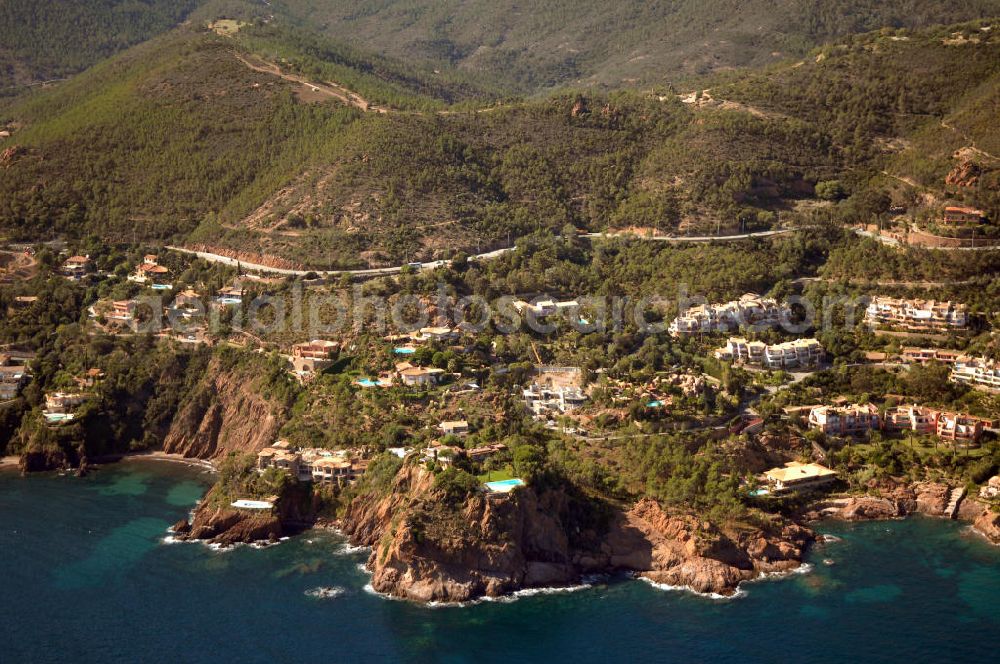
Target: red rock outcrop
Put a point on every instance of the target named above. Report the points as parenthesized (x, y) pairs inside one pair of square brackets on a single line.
[(988, 523), (965, 174), (10, 155), (224, 414), (687, 551), (424, 550), (217, 523), (895, 499)]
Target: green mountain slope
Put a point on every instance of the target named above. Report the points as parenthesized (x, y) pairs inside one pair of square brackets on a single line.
[(191, 138), (920, 107), (532, 46), (46, 39)]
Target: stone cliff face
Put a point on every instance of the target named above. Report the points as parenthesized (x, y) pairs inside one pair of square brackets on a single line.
[(224, 414), (686, 551), (492, 545), (894, 499)]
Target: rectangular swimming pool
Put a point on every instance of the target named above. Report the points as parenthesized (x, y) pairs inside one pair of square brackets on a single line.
[(504, 486)]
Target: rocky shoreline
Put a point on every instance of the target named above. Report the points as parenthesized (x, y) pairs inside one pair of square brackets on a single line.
[(493, 546), (215, 522), (895, 499)]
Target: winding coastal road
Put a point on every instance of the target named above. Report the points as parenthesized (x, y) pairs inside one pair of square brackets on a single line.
[(489, 255), (683, 239), (361, 272)]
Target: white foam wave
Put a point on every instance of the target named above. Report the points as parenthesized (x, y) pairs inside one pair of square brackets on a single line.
[(326, 592), (668, 587), (503, 599), (804, 568), (348, 549)]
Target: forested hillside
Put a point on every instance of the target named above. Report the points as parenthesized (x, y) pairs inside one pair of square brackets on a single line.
[(531, 46), (929, 101), (55, 38), (257, 141)]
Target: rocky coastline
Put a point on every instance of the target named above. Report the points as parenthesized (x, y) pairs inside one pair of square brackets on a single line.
[(492, 545), (217, 523), (897, 499)]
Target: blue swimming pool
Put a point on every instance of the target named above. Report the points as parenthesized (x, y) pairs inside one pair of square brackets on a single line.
[(404, 351), (654, 404), (503, 486), (366, 382)]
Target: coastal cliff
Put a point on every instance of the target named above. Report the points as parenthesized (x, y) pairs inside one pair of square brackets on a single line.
[(226, 412), (425, 550), (688, 551), (201, 405)]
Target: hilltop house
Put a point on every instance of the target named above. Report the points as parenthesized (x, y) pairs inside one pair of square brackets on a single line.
[(542, 399), (923, 355), (485, 452), (454, 428), (12, 378), (60, 406), (229, 296), (434, 334), (187, 298), (149, 270), (957, 215), (90, 377), (797, 476), (544, 307), (419, 376), (75, 267), (313, 464), (313, 356)]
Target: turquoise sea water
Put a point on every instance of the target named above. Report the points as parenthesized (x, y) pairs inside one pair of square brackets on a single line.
[(87, 578)]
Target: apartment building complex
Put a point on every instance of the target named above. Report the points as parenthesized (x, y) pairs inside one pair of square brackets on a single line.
[(789, 355), (850, 420), (750, 309), (916, 315), (977, 372)]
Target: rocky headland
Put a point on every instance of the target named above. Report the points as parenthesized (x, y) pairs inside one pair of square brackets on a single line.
[(216, 522), (424, 549)]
